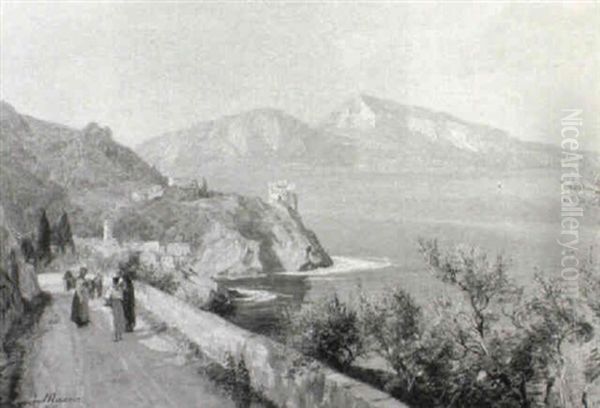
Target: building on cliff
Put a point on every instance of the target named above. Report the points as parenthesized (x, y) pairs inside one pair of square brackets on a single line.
[(283, 193), (148, 194)]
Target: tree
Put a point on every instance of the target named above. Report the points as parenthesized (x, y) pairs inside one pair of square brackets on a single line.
[(394, 324), (556, 323), (504, 343), (28, 250), (328, 331), (64, 236), (204, 188), (44, 237), (396, 329), (482, 347)]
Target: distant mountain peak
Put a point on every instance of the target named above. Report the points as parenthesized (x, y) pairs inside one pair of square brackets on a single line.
[(355, 113), (7, 110)]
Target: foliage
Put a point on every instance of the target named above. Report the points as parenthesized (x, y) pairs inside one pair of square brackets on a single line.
[(394, 324), (237, 381), (590, 282), (28, 250), (44, 237), (500, 342), (328, 331), (164, 281), (493, 348), (219, 302), (62, 233)]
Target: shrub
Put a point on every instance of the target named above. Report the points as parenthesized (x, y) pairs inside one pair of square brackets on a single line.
[(236, 379), (393, 324), (164, 281), (219, 302), (328, 331)]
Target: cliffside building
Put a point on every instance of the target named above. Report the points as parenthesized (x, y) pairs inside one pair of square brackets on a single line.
[(283, 193)]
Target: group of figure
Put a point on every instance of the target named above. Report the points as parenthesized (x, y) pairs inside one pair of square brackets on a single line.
[(120, 297)]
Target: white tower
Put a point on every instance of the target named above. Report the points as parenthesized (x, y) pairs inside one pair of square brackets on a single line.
[(107, 231)]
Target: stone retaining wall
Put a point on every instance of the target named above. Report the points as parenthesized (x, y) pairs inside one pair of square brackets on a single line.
[(274, 369)]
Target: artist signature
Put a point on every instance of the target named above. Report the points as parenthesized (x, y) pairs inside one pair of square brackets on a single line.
[(49, 398)]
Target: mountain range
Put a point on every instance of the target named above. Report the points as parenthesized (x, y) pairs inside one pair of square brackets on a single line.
[(363, 134)]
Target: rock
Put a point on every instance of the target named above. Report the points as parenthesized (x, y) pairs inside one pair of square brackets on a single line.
[(229, 236), (28, 282), (226, 253)]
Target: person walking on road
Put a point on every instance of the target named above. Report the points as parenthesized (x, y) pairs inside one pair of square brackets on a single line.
[(128, 297), (115, 301), (80, 312)]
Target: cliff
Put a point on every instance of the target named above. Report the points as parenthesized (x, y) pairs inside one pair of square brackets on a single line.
[(18, 281), (230, 235)]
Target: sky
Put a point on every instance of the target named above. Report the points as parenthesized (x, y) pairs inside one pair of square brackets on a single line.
[(145, 68)]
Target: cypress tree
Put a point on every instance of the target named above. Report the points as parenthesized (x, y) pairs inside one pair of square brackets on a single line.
[(63, 233), (28, 250), (43, 238)]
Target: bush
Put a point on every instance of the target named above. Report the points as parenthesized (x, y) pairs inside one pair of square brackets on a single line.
[(219, 302), (160, 280), (328, 331), (164, 281), (394, 326)]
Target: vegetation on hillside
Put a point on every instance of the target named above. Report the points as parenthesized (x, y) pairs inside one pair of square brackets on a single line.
[(492, 345)]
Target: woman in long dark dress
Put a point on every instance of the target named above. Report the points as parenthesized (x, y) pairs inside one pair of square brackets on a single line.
[(80, 313), (128, 301)]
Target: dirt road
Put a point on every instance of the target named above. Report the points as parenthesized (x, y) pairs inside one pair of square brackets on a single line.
[(83, 367)]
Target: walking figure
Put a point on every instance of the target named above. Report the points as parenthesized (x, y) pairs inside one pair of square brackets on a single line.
[(114, 299), (128, 297), (69, 281), (80, 312)]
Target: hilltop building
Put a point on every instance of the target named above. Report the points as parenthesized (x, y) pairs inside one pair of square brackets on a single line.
[(283, 193), (148, 194)]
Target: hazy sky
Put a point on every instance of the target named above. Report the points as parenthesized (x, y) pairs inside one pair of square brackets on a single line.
[(146, 68)]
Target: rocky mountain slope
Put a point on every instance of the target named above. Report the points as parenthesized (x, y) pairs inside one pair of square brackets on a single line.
[(256, 139), (229, 235), (53, 166), (365, 134), (391, 137)]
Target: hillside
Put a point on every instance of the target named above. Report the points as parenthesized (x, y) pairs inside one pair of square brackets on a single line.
[(229, 235), (53, 166), (45, 165), (392, 137), (259, 139)]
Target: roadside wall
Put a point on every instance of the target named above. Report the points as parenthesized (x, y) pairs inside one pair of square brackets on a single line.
[(274, 369)]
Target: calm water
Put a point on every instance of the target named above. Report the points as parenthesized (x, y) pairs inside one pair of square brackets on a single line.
[(373, 223)]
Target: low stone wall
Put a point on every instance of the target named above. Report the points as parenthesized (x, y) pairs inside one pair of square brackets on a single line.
[(274, 369)]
